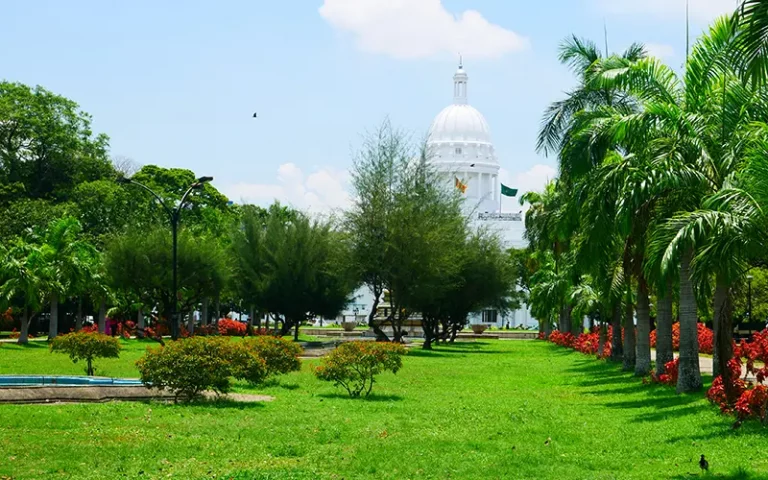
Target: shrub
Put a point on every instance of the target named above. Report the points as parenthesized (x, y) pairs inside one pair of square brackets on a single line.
[(705, 335), (718, 395), (669, 377), (353, 365), (280, 355), (190, 366), (206, 330), (563, 339), (86, 346), (587, 343), (231, 328)]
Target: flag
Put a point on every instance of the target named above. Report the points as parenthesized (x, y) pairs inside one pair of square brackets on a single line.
[(460, 185), (509, 192)]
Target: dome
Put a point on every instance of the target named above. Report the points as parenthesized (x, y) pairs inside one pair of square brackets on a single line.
[(459, 123)]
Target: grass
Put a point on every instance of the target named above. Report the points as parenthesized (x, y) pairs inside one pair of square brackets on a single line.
[(491, 409)]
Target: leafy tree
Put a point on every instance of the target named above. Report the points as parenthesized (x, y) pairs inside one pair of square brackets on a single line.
[(140, 262), (46, 143), (86, 346), (294, 268), (22, 286)]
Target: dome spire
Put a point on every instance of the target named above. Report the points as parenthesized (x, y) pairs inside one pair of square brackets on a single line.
[(460, 85)]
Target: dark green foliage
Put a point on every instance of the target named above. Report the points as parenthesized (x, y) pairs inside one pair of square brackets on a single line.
[(87, 347), (281, 355), (191, 366)]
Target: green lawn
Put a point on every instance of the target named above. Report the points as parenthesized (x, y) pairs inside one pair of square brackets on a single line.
[(485, 410)]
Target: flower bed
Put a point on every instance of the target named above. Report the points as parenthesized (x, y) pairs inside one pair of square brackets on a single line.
[(706, 338)]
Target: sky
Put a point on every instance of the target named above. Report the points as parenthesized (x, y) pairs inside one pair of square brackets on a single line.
[(176, 83)]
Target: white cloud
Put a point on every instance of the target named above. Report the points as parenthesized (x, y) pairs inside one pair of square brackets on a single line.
[(532, 180), (419, 29), (321, 191), (700, 10), (660, 50)]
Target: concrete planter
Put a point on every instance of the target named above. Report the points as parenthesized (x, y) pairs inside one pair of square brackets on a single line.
[(349, 326), (477, 329)]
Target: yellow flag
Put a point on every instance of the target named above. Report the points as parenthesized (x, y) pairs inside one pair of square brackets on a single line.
[(460, 185)]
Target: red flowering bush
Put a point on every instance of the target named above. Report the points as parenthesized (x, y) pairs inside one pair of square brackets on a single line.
[(753, 403), (93, 328), (755, 351), (587, 343), (231, 328), (353, 365), (562, 339), (705, 335), (542, 336), (206, 330), (717, 394), (669, 377)]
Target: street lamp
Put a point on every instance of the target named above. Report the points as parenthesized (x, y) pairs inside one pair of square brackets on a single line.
[(174, 216)]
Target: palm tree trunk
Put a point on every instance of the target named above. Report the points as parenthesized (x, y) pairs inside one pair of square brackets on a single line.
[(79, 319), (617, 347), (664, 352), (576, 324), (140, 323), (603, 337), (53, 323), (547, 326), (218, 310), (251, 319), (102, 316), (24, 334), (722, 324), (643, 343), (628, 359), (689, 373)]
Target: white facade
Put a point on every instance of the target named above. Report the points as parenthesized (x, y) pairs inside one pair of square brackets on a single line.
[(460, 148)]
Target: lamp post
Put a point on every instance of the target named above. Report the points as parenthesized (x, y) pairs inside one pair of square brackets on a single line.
[(174, 215)]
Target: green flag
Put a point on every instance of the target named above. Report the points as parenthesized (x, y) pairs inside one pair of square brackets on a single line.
[(509, 192)]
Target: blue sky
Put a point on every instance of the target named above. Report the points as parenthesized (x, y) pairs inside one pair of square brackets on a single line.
[(176, 83)]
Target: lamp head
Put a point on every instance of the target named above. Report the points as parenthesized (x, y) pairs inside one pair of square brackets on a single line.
[(204, 179)]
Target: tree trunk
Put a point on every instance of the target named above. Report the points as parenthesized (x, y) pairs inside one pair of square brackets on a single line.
[(429, 331), (628, 360), (296, 331), (603, 337), (617, 346), (251, 319), (79, 319), (102, 316), (380, 335), (191, 323), (643, 342), (689, 374), (204, 313), (53, 323), (576, 324), (24, 334), (218, 310), (140, 324), (547, 327), (722, 324), (664, 352)]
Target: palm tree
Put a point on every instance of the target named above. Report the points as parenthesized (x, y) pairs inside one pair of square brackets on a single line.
[(700, 126), (67, 260), (21, 284)]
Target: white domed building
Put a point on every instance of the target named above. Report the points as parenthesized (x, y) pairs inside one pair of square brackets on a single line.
[(460, 148)]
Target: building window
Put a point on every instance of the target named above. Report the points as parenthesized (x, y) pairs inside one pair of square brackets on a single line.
[(458, 150), (490, 316)]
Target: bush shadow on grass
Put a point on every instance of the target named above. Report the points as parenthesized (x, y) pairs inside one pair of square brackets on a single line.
[(210, 402), (723, 428), (740, 474), (373, 397)]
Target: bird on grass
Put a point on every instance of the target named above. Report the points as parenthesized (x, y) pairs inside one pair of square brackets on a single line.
[(703, 463)]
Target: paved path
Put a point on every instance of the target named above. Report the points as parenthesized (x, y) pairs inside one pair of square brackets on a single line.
[(705, 365)]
